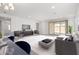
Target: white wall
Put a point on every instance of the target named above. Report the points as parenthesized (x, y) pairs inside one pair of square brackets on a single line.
[(43, 27), (44, 24), (16, 22), (77, 19)]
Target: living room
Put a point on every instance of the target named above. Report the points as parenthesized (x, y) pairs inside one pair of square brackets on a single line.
[(36, 22)]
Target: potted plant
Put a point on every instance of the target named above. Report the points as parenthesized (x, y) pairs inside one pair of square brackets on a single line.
[(70, 29), (0, 35)]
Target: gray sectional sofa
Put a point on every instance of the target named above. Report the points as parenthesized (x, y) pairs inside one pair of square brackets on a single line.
[(63, 47)]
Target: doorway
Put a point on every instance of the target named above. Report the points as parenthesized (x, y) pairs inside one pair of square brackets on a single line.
[(5, 26)]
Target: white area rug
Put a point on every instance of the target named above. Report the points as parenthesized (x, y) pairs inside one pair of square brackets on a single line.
[(33, 41)]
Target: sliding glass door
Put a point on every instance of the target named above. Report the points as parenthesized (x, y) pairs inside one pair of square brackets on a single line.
[(58, 27)]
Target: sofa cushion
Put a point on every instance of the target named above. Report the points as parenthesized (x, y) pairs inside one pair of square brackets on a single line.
[(46, 40)]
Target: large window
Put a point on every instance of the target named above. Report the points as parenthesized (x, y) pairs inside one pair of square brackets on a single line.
[(56, 27), (59, 27)]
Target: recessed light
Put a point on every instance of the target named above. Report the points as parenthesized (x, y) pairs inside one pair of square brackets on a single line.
[(53, 7)]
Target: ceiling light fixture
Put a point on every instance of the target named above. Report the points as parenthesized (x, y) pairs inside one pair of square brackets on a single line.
[(5, 7), (53, 7)]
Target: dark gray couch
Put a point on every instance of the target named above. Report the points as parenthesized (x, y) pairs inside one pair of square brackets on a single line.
[(63, 47)]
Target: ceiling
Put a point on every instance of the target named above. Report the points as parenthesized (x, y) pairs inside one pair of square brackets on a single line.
[(44, 11)]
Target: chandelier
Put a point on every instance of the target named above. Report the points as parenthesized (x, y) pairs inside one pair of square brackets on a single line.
[(6, 7)]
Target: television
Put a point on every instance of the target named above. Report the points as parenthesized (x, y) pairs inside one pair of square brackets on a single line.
[(25, 27)]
